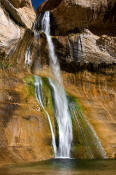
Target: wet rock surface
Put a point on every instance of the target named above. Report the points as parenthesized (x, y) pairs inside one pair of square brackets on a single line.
[(25, 133)]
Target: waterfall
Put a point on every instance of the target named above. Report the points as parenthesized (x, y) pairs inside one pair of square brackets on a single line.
[(89, 137), (80, 50), (39, 97), (63, 119), (60, 101), (54, 64), (28, 56), (61, 105)]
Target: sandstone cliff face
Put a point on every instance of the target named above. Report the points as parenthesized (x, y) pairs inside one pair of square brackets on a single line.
[(15, 16), (85, 48), (73, 15), (96, 94), (24, 129), (87, 29), (22, 133), (89, 77), (84, 37)]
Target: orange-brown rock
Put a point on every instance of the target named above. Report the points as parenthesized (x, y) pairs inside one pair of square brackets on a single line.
[(85, 43), (96, 94), (85, 31), (74, 15), (85, 48), (24, 129), (48, 5), (21, 3), (88, 75)]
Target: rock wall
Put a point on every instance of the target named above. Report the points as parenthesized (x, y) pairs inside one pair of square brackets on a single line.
[(70, 16), (84, 36), (96, 92), (15, 16), (88, 76), (24, 129)]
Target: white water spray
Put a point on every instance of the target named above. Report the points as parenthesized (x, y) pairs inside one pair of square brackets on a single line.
[(39, 97), (60, 101), (28, 56), (54, 64), (63, 119)]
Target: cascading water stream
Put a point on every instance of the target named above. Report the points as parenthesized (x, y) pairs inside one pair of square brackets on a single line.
[(38, 92), (63, 119), (39, 97), (87, 132), (54, 64), (28, 56), (60, 101)]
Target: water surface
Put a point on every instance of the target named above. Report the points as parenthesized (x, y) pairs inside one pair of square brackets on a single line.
[(63, 167)]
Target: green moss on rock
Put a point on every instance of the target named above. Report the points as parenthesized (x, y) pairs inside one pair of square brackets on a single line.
[(30, 89)]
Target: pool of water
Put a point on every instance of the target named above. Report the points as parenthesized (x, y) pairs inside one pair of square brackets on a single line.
[(62, 167)]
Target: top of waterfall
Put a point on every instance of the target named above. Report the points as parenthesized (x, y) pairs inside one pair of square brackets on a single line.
[(46, 23)]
